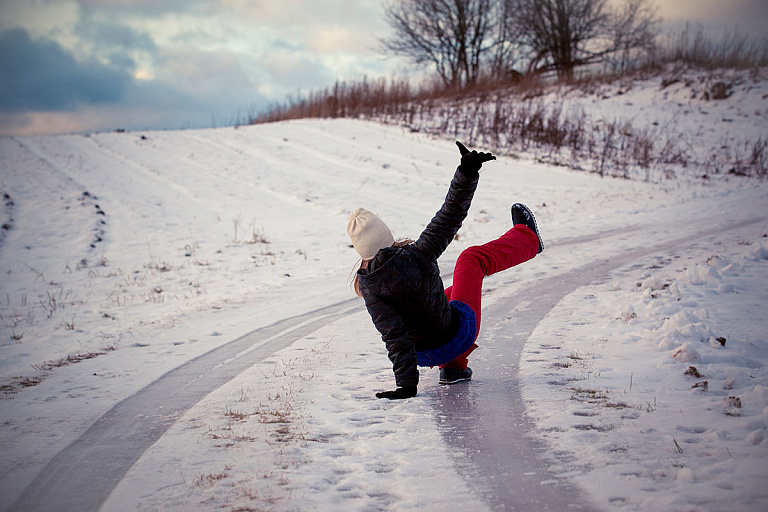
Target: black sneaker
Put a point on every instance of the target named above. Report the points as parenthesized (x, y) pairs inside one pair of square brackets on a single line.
[(454, 375), (522, 215)]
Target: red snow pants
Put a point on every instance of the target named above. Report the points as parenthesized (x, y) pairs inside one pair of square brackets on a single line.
[(514, 247)]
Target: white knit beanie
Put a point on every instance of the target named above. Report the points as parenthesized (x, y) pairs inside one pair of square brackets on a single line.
[(368, 233)]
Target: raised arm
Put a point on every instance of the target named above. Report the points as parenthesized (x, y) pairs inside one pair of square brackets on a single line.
[(447, 221)]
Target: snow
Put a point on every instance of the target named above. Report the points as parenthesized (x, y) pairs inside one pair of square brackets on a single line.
[(659, 377), (133, 253)]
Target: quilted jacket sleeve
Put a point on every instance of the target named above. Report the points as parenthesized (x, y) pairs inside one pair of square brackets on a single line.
[(401, 347), (447, 221)]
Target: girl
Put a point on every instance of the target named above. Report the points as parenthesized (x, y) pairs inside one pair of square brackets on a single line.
[(421, 323)]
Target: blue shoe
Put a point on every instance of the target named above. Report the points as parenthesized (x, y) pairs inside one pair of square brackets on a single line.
[(454, 375), (522, 215)]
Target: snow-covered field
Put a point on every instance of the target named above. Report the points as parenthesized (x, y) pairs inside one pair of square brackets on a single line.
[(125, 255)]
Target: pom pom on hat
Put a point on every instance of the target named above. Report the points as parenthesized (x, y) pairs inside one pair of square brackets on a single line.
[(368, 232)]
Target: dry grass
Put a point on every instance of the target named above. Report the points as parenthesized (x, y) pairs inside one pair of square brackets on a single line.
[(17, 383), (404, 100), (514, 117), (519, 119), (71, 359), (13, 385)]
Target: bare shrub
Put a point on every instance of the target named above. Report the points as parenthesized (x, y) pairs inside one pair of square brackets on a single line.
[(515, 115)]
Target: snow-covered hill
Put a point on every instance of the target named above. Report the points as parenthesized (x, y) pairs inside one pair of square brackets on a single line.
[(125, 255), (677, 122)]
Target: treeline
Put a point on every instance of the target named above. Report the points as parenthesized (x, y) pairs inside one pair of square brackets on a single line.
[(466, 40), (399, 98), (480, 98)]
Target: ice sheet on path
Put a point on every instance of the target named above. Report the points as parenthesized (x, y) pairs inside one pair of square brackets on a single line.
[(302, 429), (659, 377)]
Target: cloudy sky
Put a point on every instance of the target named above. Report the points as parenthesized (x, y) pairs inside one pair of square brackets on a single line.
[(84, 65)]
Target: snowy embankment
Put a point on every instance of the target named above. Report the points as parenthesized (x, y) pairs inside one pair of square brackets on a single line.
[(658, 375), (678, 123), (125, 255)]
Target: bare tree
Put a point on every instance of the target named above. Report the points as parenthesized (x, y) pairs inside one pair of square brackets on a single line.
[(508, 43), (557, 31), (455, 36), (464, 39), (635, 29), (565, 34)]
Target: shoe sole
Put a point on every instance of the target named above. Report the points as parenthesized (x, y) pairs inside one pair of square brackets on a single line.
[(535, 225), (448, 382)]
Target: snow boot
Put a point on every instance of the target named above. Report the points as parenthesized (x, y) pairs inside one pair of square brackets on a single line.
[(454, 375), (522, 215)]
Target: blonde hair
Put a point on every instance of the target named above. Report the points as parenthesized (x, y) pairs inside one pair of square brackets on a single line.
[(363, 264)]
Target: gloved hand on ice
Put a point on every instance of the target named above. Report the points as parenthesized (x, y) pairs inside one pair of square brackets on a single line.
[(398, 394)]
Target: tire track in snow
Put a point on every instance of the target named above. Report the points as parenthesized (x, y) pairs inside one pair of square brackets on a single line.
[(81, 476), (152, 175), (69, 192), (485, 419)]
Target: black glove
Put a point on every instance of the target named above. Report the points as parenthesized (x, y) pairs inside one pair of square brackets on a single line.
[(471, 161), (398, 394)]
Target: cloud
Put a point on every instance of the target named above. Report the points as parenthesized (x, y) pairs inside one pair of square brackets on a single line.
[(288, 70), (146, 8), (41, 75), (715, 9), (44, 89), (287, 13), (145, 106), (208, 75), (749, 14), (175, 63), (115, 35), (115, 43)]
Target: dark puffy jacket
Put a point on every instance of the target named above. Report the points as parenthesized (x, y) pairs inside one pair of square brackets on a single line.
[(403, 290)]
